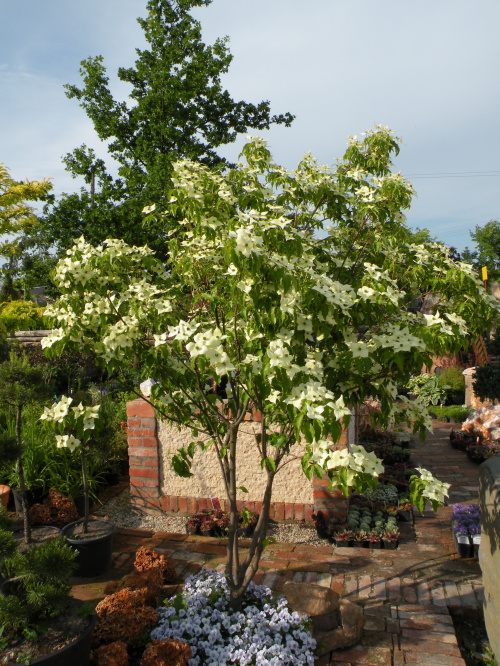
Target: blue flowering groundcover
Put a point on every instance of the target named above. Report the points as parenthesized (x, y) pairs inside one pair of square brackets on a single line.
[(265, 632)]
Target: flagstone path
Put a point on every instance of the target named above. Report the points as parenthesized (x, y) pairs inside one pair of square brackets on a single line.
[(406, 594)]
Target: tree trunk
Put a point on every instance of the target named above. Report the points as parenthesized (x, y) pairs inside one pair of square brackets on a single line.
[(239, 574), (22, 485)]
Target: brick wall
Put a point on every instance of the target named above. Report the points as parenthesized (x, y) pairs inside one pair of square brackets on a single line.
[(148, 472), (489, 551)]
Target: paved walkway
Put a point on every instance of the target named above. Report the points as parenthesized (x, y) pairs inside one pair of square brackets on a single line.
[(406, 595)]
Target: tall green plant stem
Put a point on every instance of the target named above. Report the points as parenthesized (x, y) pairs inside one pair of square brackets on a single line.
[(85, 493), (22, 485)]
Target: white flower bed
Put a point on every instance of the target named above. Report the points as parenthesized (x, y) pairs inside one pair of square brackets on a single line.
[(265, 632)]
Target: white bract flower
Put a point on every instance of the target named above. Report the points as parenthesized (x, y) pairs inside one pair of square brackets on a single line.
[(58, 411), (67, 442)]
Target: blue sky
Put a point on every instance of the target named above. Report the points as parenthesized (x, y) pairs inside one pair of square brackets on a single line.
[(427, 69)]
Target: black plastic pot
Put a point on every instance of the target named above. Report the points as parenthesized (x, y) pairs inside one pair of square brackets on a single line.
[(75, 654), (341, 543), (405, 516), (476, 542), (390, 545), (375, 545), (464, 546), (94, 553)]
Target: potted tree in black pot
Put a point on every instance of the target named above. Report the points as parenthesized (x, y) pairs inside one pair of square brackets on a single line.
[(41, 623), (91, 537)]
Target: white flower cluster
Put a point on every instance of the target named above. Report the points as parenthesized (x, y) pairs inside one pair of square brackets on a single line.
[(264, 632), (434, 489), (355, 460), (209, 343), (62, 412)]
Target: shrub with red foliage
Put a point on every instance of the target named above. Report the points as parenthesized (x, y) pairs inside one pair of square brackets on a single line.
[(150, 580), (146, 558), (114, 654), (168, 652), (56, 509)]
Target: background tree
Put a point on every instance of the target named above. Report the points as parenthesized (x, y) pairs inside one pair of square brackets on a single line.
[(178, 108), (487, 252), (296, 286), (17, 220)]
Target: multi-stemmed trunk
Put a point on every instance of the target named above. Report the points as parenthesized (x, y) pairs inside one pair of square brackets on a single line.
[(239, 574)]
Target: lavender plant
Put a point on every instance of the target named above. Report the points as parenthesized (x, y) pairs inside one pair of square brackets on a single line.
[(466, 519), (264, 631)]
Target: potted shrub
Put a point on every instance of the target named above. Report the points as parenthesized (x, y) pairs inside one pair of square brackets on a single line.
[(37, 614), (92, 538)]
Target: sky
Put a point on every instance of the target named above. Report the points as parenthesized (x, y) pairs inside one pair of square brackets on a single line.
[(428, 69)]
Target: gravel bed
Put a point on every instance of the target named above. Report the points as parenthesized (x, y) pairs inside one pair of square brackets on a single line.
[(121, 512)]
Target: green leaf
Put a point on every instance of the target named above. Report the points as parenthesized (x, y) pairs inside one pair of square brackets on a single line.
[(267, 541), (243, 489)]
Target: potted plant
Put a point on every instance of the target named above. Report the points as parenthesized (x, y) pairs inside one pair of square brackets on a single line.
[(20, 384), (342, 538), (92, 538), (207, 525), (405, 510), (466, 526), (37, 614), (375, 539), (193, 523), (390, 538)]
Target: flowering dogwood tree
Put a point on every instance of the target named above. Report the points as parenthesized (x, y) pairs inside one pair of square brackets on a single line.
[(301, 287)]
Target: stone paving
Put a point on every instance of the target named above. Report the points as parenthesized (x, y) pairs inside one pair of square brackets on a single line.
[(406, 594)]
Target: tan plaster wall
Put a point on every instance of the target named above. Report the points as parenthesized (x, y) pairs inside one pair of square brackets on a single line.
[(290, 483)]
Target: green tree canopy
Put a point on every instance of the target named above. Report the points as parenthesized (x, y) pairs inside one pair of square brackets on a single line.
[(17, 222), (178, 108), (487, 252)]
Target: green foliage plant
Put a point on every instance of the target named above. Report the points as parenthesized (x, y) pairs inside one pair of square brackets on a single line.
[(458, 413), (22, 316), (427, 388), (453, 378), (487, 252), (486, 381), (38, 583), (293, 285)]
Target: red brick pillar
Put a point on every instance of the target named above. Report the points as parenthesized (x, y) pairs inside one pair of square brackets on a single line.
[(143, 453)]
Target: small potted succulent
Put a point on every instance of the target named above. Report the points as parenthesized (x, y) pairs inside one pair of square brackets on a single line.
[(358, 538), (390, 538), (342, 538), (375, 539), (405, 510)]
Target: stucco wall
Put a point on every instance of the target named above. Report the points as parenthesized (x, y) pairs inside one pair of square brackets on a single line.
[(489, 551), (290, 483)]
